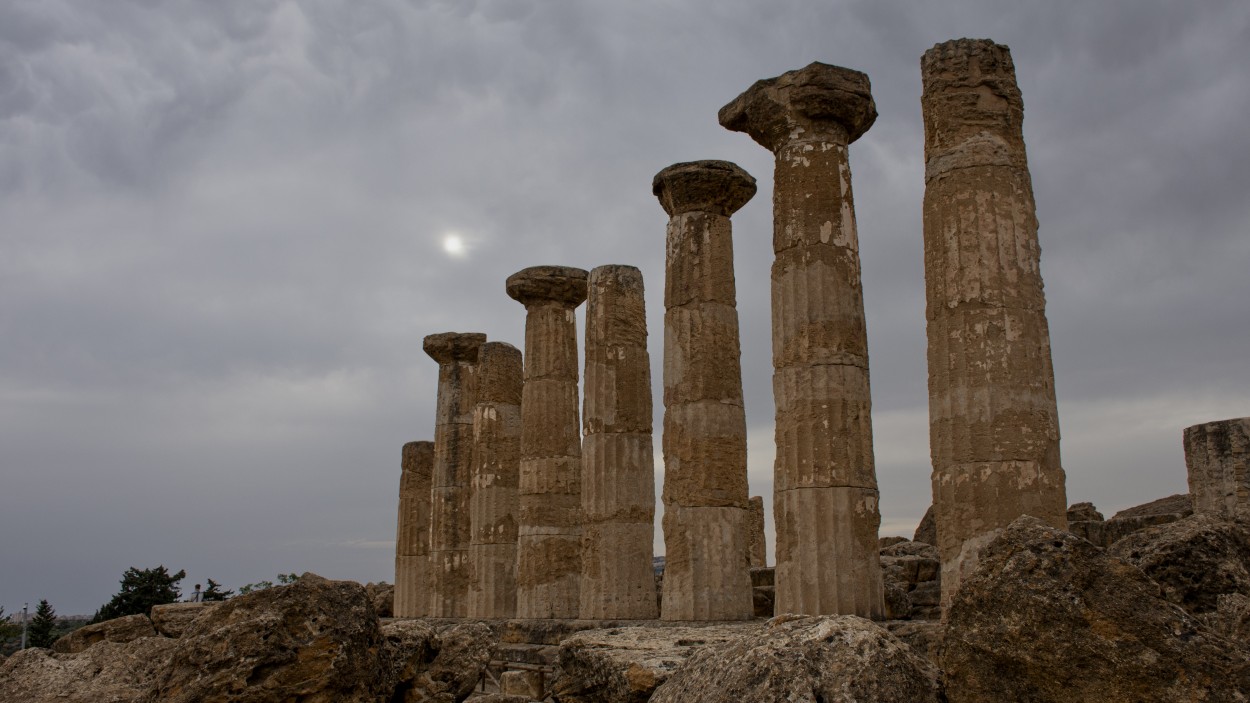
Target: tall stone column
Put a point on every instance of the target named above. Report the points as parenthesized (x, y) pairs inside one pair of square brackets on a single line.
[(549, 530), (412, 540), (824, 481), (456, 354), (493, 481), (618, 465), (707, 572), (757, 545), (993, 423), (1217, 455)]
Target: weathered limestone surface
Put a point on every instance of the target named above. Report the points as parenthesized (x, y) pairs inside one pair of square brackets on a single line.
[(550, 489), (626, 664), (840, 659), (757, 543), (118, 630), (1217, 455), (825, 485), (493, 503), (412, 542), (618, 465), (171, 619), (993, 423), (456, 354), (1194, 561), (706, 576), (1049, 617)]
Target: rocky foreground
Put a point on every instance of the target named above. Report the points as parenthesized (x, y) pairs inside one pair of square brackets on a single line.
[(1161, 615)]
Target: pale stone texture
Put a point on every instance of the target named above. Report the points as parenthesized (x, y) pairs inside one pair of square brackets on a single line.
[(456, 354), (550, 490), (1217, 455), (840, 659), (618, 465), (706, 574), (412, 542), (825, 485), (119, 630), (494, 478), (993, 423), (756, 541)]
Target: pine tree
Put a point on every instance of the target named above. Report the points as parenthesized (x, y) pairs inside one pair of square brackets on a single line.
[(141, 589), (40, 632), (215, 592)]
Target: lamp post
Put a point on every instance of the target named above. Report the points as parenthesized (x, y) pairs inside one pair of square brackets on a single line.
[(25, 606)]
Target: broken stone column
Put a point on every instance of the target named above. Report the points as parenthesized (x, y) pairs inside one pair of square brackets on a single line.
[(824, 482), (412, 540), (756, 541), (1217, 455), (456, 354), (618, 465), (707, 570), (550, 493), (993, 423), (493, 481)]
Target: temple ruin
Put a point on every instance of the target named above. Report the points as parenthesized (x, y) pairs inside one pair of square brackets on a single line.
[(457, 355), (412, 539), (993, 421), (493, 480), (706, 574), (549, 528), (618, 468), (825, 501), (1217, 456)]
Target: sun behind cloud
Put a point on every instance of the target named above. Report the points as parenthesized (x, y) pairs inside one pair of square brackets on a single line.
[(453, 244)]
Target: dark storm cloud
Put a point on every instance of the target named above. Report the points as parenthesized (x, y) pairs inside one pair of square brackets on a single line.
[(222, 227)]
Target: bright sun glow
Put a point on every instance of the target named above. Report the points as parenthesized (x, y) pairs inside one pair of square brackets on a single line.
[(453, 244)]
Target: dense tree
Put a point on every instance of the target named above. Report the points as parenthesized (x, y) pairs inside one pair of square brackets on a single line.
[(215, 592), (141, 589), (7, 627), (41, 632)]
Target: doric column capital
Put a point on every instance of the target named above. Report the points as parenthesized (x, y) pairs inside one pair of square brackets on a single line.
[(448, 347), (718, 187), (562, 284), (817, 99)]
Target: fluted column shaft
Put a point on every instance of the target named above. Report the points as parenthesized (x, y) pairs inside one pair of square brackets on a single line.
[(757, 545), (618, 466), (1217, 456), (706, 572), (825, 500), (550, 488), (993, 422), (412, 540), (456, 354), (493, 503)]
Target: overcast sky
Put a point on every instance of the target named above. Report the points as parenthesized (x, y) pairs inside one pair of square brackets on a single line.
[(222, 229)]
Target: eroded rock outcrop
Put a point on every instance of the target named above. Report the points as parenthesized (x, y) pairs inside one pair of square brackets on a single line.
[(117, 672), (1047, 616), (118, 630), (831, 659), (625, 665), (172, 619), (1195, 560)]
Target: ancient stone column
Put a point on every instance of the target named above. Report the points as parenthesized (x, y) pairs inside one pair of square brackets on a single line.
[(824, 482), (993, 424), (549, 531), (618, 465), (756, 541), (456, 354), (493, 481), (1217, 455), (412, 540), (707, 572)]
